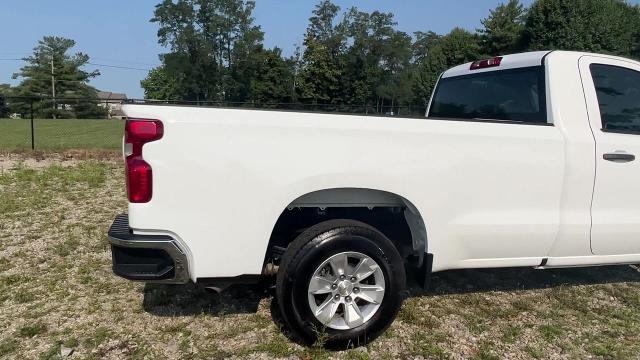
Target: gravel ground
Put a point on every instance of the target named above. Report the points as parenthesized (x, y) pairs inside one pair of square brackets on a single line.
[(59, 298)]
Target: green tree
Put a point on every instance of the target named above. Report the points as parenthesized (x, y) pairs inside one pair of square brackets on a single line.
[(636, 43), (212, 44), (161, 84), (425, 41), (460, 46), (273, 82), (4, 108), (362, 72), (395, 84), (427, 72), (5, 91), (356, 61), (322, 58), (503, 29), (377, 62), (603, 26), (457, 47), (50, 57)]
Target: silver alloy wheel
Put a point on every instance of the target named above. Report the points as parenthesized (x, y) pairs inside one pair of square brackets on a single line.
[(346, 290)]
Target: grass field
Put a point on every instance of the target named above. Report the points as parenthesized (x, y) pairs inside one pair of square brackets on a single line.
[(57, 292), (63, 134)]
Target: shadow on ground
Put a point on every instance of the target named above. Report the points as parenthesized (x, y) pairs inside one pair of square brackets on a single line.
[(515, 279), (191, 299)]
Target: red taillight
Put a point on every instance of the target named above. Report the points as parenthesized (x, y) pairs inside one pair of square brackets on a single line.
[(139, 180), (487, 63), (139, 175), (142, 131)]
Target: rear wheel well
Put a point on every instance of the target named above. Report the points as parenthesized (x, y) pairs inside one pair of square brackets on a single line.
[(392, 215)]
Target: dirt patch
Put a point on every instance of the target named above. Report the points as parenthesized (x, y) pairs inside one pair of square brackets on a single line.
[(39, 160)]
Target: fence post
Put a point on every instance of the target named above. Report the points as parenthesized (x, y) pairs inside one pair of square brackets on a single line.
[(33, 144)]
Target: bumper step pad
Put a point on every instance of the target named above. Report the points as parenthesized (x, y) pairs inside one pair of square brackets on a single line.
[(150, 258)]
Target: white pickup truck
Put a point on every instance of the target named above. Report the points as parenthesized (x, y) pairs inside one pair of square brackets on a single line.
[(523, 160)]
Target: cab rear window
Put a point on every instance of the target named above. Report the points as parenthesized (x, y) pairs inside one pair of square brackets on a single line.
[(516, 95)]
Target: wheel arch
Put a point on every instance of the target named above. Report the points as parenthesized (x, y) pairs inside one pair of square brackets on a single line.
[(341, 199)]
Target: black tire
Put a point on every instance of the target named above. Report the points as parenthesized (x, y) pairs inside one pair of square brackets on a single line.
[(308, 251)]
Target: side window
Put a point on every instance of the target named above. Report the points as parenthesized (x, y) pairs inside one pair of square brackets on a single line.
[(618, 91)]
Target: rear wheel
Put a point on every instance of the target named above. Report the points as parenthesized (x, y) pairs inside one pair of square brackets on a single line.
[(342, 282)]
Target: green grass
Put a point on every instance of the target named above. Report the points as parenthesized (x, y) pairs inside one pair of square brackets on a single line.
[(32, 330), (63, 134), (550, 332), (57, 289), (28, 189), (8, 346)]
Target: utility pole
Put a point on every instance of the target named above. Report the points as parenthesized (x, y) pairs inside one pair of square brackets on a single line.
[(53, 87)]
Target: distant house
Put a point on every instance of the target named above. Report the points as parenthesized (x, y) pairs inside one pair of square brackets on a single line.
[(112, 102)]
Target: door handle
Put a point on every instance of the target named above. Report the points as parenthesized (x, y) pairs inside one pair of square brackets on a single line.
[(619, 157)]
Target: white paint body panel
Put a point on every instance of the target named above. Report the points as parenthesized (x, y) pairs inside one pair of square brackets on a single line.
[(491, 194)]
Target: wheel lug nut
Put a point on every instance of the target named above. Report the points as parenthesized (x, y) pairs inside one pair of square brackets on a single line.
[(356, 290), (342, 277), (348, 299), (334, 286), (337, 297), (353, 279)]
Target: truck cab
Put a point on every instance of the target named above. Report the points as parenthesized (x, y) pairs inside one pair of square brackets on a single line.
[(590, 102)]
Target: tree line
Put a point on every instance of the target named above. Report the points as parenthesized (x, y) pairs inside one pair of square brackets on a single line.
[(350, 60), (360, 59)]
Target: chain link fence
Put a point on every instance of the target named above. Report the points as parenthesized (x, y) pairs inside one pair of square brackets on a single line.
[(45, 123), (54, 124)]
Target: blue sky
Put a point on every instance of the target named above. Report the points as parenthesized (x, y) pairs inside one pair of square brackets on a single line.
[(118, 32)]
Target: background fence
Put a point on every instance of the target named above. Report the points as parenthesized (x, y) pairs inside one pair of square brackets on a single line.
[(45, 123)]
